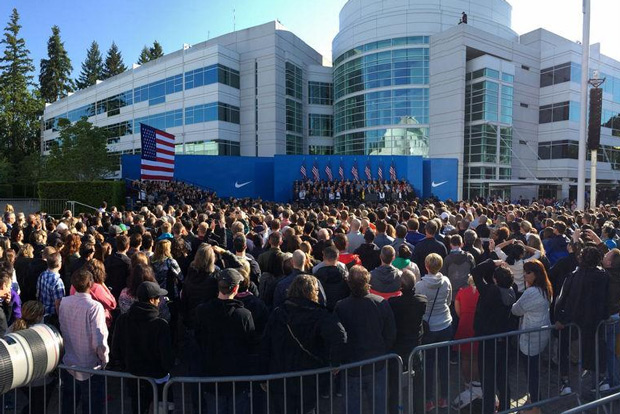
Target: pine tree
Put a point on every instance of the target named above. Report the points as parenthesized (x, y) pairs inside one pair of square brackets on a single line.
[(145, 56), (20, 106), (113, 62), (55, 72), (156, 51), (150, 53), (92, 67)]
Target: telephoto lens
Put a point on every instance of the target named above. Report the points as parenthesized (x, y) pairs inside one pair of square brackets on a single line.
[(28, 355)]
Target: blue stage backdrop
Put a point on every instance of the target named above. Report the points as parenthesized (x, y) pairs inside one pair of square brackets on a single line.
[(229, 176), (440, 178), (273, 178)]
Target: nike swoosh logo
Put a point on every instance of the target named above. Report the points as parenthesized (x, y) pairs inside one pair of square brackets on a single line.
[(237, 185), (434, 184)]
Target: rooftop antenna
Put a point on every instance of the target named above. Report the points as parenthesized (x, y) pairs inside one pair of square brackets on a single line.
[(234, 21)]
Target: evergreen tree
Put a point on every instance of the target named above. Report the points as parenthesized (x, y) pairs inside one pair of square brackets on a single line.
[(145, 56), (20, 107), (156, 51), (150, 53), (92, 67), (82, 154), (113, 62), (56, 70)]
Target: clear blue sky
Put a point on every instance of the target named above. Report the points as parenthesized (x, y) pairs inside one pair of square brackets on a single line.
[(134, 23)]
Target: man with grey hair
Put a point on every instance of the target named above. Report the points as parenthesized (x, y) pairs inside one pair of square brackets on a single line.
[(299, 268), (356, 239), (323, 237)]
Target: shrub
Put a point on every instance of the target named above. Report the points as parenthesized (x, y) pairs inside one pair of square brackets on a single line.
[(92, 193)]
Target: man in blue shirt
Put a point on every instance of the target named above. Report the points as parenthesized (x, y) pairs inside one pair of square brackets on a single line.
[(50, 288)]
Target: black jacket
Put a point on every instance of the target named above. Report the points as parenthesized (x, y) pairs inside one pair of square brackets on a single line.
[(333, 279), (370, 326), (226, 335), (369, 255), (198, 287), (426, 247), (583, 298), (117, 267), (142, 342), (408, 312), (493, 311), (260, 311), (28, 286), (311, 327)]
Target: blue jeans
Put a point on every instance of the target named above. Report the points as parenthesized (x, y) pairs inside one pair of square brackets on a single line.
[(373, 385), (90, 392), (441, 362), (613, 365)]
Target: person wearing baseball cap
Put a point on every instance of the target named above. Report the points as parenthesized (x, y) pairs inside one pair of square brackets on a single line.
[(142, 344), (227, 338)]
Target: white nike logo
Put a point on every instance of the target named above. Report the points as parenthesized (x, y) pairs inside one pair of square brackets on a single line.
[(434, 184), (237, 185)]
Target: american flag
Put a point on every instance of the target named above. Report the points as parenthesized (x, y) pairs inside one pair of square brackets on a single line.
[(380, 172), (392, 171), (157, 154), (341, 171), (315, 171), (302, 170), (367, 170), (328, 171), (354, 171)]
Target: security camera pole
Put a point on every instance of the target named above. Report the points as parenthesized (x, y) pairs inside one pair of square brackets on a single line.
[(585, 58), (594, 130)]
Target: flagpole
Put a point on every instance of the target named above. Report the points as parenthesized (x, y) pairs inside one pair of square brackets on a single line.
[(585, 59)]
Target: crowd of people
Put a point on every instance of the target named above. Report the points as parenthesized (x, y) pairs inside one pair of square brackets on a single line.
[(198, 286), (351, 191)]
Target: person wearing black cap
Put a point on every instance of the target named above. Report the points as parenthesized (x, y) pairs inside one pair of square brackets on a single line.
[(227, 337), (142, 344)]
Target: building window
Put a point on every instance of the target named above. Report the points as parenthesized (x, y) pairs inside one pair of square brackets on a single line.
[(161, 121), (320, 125), (386, 68), (320, 93), (293, 80), (561, 111), (565, 72), (320, 150), (215, 147), (388, 141), (294, 145), (212, 74), (399, 41), (391, 107), (482, 102), (215, 111), (294, 116)]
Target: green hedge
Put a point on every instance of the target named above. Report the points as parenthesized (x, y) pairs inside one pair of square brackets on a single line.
[(91, 193)]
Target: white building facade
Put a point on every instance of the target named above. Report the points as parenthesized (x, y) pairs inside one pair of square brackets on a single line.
[(408, 78)]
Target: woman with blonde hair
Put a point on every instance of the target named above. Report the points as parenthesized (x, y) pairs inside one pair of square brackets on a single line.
[(167, 271), (200, 284)]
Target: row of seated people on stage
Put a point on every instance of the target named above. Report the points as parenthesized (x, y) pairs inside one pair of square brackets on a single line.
[(307, 192)]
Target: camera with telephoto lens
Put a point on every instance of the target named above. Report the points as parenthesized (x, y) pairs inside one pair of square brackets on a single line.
[(28, 355)]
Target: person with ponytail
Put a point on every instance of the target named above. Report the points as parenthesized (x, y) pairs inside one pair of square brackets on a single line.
[(32, 313), (533, 308), (515, 259)]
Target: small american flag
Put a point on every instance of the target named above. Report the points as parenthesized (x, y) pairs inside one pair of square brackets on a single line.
[(380, 172), (367, 170), (302, 170), (392, 171), (328, 171), (341, 171), (315, 171), (354, 171), (157, 160)]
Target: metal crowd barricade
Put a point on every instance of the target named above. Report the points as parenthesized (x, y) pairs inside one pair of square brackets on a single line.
[(495, 362), (103, 392), (373, 386), (607, 363), (607, 405)]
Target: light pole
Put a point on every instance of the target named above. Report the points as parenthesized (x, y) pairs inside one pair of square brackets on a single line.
[(594, 108), (585, 58)]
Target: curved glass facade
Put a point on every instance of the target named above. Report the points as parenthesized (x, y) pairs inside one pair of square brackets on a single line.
[(381, 98)]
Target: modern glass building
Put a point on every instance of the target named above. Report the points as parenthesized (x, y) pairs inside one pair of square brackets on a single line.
[(408, 78)]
